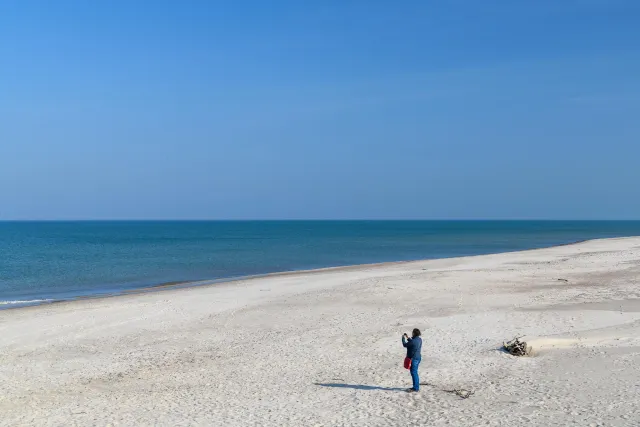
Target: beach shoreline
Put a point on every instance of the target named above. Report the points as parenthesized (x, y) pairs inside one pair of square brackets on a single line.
[(172, 285), (323, 347)]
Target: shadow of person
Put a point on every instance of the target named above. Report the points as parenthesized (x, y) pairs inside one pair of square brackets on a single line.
[(359, 386)]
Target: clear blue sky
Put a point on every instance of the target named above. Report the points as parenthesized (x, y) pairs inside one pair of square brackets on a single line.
[(320, 109)]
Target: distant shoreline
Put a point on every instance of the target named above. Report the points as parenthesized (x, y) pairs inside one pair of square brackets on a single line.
[(174, 285)]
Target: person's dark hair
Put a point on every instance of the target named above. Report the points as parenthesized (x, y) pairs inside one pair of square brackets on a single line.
[(416, 332)]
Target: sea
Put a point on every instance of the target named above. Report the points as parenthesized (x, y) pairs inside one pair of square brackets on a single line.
[(43, 262)]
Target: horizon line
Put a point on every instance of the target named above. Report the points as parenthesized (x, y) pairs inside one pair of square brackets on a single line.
[(309, 219)]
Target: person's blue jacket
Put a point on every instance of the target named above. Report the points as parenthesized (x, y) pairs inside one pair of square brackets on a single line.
[(414, 346)]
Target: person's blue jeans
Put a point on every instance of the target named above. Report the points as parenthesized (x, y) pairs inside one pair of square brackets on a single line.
[(414, 373)]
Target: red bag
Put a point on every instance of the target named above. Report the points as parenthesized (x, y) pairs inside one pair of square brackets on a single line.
[(407, 363)]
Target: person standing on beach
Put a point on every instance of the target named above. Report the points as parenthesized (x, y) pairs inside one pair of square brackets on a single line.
[(414, 347)]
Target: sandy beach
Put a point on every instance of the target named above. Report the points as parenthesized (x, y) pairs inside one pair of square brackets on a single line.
[(322, 348)]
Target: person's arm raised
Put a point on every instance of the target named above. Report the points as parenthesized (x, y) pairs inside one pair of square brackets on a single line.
[(404, 340)]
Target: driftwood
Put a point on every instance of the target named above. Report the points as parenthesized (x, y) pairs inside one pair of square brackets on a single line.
[(460, 392), (515, 347)]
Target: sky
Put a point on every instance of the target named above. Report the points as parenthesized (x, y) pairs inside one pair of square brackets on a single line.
[(334, 109)]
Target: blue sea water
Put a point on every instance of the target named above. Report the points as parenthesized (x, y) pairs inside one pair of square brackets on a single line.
[(48, 261)]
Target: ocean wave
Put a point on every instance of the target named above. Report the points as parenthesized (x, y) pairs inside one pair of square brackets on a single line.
[(31, 301)]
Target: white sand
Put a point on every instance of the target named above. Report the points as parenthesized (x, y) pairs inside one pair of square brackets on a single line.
[(256, 352)]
